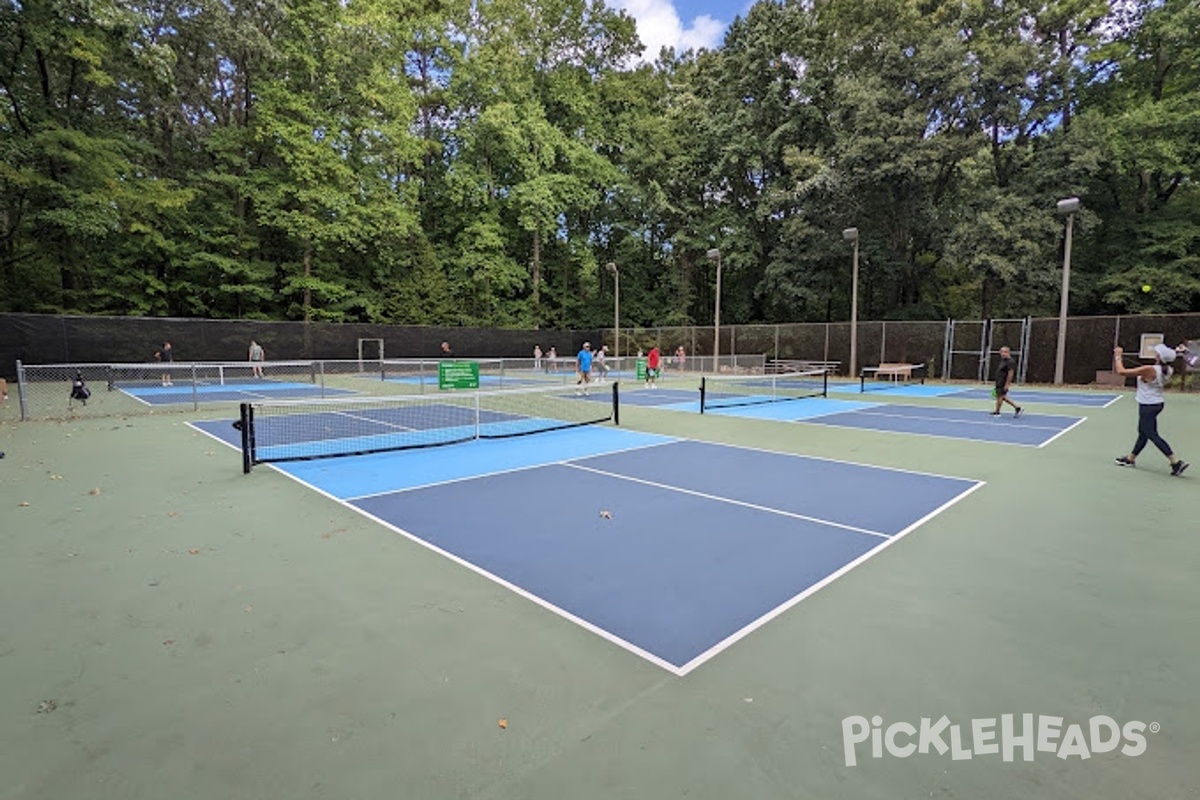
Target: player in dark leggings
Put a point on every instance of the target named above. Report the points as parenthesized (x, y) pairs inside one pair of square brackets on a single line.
[(1150, 380)]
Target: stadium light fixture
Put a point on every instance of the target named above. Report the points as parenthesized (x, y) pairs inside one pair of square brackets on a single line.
[(616, 273), (1068, 207), (715, 255), (851, 235)]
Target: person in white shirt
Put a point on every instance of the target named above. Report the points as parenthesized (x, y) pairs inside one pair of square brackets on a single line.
[(1150, 379)]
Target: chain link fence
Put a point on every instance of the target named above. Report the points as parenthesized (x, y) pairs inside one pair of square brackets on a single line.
[(114, 355), (65, 391)]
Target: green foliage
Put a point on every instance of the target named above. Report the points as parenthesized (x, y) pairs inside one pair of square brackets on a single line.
[(480, 163)]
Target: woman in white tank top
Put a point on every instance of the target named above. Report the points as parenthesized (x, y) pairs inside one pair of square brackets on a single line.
[(1150, 379)]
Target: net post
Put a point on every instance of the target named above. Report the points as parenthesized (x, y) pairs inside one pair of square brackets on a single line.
[(196, 388), (21, 389), (616, 404), (703, 384), (246, 422), (825, 382)]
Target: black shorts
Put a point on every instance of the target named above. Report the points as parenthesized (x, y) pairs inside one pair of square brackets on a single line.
[(999, 391)]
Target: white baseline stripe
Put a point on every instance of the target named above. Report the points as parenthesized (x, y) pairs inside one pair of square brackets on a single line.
[(826, 458), (847, 426), (525, 468), (1063, 431), (816, 587), (729, 500), (955, 420)]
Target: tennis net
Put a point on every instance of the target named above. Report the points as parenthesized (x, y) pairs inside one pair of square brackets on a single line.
[(183, 374), (723, 391), (309, 429)]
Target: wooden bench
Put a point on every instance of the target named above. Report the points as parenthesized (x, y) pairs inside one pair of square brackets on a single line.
[(781, 365), (894, 371)]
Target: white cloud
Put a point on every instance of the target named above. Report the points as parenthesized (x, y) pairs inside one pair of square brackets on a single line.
[(659, 26)]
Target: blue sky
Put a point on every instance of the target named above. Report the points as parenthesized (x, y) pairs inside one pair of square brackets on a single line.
[(681, 24)]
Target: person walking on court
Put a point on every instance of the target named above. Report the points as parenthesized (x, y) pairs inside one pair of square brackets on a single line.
[(166, 356), (257, 355), (653, 362), (537, 356), (447, 351), (1005, 371), (552, 360), (583, 362), (1150, 380), (600, 363)]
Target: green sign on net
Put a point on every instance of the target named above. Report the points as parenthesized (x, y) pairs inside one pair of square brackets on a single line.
[(641, 368), (458, 375)]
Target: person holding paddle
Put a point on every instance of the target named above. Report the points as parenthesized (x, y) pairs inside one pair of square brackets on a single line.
[(1150, 380), (1005, 371)]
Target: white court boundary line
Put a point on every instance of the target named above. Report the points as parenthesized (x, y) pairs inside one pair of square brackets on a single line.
[(932, 418), (745, 631), (494, 473), (716, 649), (1062, 432), (816, 420), (729, 500), (1032, 396)]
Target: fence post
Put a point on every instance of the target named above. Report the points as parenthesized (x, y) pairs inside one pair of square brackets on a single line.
[(21, 388)]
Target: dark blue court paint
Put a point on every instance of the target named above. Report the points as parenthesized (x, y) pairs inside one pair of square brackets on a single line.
[(954, 423), (671, 573), (882, 500)]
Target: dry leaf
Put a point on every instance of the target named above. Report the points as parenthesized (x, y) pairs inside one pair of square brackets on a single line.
[(606, 514), (503, 723), (193, 552), (168, 641), (94, 491), (24, 504)]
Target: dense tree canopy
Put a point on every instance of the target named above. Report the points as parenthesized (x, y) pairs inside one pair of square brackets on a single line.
[(481, 162)]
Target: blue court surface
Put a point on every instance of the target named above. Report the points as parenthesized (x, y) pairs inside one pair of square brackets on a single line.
[(228, 392), (672, 549), (1030, 430), (1019, 395)]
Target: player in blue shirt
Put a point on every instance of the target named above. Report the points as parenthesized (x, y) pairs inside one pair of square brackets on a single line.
[(583, 363)]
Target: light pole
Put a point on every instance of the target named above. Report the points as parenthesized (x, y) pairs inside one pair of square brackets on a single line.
[(715, 255), (1069, 207), (616, 309), (851, 235)]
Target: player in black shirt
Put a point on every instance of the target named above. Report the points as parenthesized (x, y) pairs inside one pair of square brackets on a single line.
[(1006, 370)]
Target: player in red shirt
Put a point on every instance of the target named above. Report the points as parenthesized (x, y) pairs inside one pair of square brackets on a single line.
[(653, 360)]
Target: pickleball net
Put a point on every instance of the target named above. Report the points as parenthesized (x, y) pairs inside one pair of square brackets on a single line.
[(725, 391), (302, 430)]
